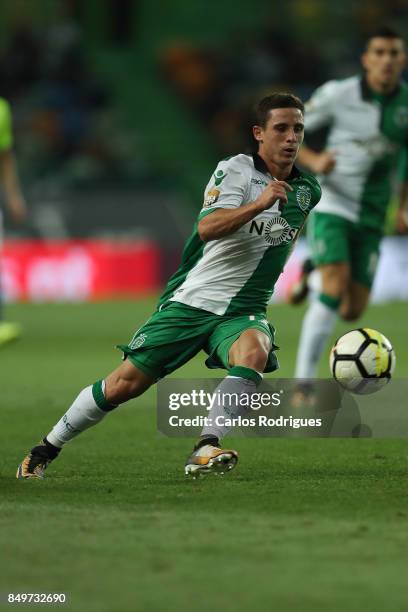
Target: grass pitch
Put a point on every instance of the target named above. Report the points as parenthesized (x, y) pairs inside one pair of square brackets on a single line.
[(300, 524)]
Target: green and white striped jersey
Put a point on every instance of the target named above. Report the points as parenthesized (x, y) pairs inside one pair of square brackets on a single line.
[(236, 274), (369, 134)]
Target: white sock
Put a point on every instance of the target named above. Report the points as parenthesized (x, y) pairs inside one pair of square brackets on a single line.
[(231, 384), (317, 326), (83, 413)]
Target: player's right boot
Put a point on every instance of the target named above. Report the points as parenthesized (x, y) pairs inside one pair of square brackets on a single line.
[(209, 459), (37, 460), (298, 292)]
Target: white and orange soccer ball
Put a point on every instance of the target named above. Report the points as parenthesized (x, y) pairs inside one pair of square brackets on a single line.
[(362, 361)]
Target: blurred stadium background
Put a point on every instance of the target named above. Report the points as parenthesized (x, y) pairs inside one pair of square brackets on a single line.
[(121, 111)]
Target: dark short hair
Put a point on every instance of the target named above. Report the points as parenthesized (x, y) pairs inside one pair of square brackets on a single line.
[(383, 32), (276, 100)]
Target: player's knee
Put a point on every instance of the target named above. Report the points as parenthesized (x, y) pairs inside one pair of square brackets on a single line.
[(254, 357), (335, 281), (251, 350), (337, 288)]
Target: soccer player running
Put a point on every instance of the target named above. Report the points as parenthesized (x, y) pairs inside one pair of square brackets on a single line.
[(13, 199), (254, 207), (367, 117)]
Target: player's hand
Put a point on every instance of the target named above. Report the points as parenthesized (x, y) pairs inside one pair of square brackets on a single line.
[(275, 190), (324, 162), (401, 221)]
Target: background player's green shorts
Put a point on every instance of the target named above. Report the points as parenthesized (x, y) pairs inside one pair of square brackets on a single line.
[(334, 239), (177, 332)]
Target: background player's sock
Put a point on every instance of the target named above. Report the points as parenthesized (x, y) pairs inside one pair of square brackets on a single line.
[(89, 408), (318, 324), (239, 380)]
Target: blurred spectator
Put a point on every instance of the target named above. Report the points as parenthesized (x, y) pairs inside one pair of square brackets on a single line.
[(20, 63), (121, 20), (194, 74), (60, 107), (220, 83)]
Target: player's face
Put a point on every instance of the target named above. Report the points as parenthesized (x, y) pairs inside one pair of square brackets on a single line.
[(282, 135), (384, 60)]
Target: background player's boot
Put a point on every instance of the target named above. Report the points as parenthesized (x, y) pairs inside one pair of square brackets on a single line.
[(37, 460), (304, 395), (9, 332), (298, 292), (206, 459)]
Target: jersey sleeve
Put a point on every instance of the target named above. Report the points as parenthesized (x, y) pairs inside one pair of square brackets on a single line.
[(6, 137), (227, 188), (319, 110), (317, 193)]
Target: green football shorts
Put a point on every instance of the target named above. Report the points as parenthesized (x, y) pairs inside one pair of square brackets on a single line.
[(334, 239), (177, 332)]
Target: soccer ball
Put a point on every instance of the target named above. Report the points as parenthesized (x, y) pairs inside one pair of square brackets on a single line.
[(362, 360)]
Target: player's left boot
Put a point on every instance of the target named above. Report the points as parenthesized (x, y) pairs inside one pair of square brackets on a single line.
[(37, 460), (209, 459), (9, 332), (299, 291)]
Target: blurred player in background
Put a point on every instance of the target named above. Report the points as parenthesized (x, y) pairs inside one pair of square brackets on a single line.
[(254, 207), (13, 199), (367, 119)]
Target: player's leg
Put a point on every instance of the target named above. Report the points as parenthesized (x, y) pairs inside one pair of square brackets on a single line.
[(169, 339), (88, 409), (321, 317), (349, 284), (300, 289), (94, 402), (354, 302), (245, 355), (329, 238), (364, 261), (251, 351), (247, 360), (8, 331)]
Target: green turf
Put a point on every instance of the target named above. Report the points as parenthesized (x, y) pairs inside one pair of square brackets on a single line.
[(311, 525)]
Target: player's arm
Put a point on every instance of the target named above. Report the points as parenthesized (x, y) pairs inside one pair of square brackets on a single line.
[(319, 112), (11, 186), (321, 162), (225, 221)]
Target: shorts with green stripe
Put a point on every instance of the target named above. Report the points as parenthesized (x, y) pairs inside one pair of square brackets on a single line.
[(334, 239), (177, 332)]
